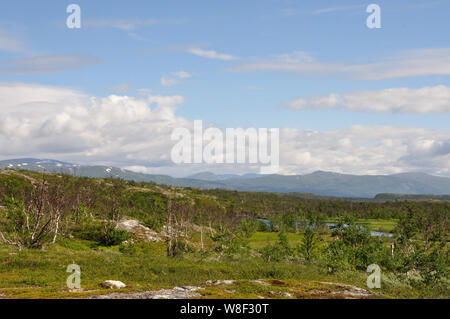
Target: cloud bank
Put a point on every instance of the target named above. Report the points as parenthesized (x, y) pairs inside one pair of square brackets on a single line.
[(54, 122), (412, 63), (397, 100)]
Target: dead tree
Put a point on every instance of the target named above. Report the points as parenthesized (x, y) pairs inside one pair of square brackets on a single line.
[(35, 220)]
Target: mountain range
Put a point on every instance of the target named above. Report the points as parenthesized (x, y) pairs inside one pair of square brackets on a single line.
[(320, 182)]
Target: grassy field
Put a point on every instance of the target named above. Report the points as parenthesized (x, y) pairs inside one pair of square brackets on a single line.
[(32, 273), (42, 273)]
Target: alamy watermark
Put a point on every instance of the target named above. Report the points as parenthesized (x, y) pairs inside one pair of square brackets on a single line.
[(374, 19), (236, 145), (74, 19), (74, 280), (374, 279)]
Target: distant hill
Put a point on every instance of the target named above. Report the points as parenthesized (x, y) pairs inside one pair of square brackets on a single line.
[(319, 183), (334, 184), (52, 166), (208, 176), (385, 197)]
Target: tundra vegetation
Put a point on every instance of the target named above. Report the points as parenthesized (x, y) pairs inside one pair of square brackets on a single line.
[(48, 221)]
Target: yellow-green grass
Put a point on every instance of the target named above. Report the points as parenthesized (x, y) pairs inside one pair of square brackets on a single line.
[(382, 225), (42, 273), (297, 289), (262, 239)]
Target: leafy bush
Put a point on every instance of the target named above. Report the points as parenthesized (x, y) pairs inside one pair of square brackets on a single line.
[(111, 236), (354, 248), (105, 234), (279, 251), (153, 222), (263, 227), (309, 243), (230, 244), (311, 237)]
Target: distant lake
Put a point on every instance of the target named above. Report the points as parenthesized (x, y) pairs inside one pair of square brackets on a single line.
[(334, 225)]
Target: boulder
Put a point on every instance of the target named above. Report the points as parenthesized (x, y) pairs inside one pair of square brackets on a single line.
[(135, 227), (113, 284)]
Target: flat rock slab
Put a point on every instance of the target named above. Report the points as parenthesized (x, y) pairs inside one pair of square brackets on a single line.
[(350, 290), (320, 290), (174, 293)]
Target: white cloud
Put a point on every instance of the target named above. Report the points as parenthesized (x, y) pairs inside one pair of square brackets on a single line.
[(405, 100), (121, 24), (165, 81), (335, 9), (168, 82), (53, 122), (211, 54), (10, 42), (44, 64), (143, 91), (119, 88), (127, 24), (182, 74), (412, 63), (294, 57), (136, 37)]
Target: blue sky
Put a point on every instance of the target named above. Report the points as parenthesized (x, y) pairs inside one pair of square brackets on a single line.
[(243, 61)]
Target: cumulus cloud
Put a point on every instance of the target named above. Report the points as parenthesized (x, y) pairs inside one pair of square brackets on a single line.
[(44, 64), (49, 121), (366, 150), (395, 100), (412, 63), (53, 122), (211, 54)]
